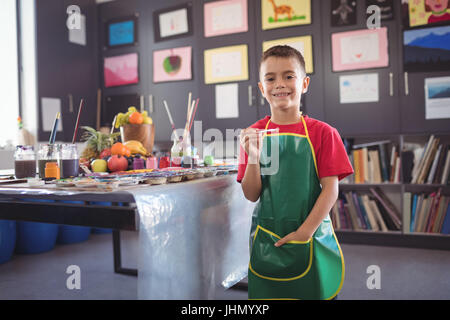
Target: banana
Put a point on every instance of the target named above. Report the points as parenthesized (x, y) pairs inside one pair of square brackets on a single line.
[(135, 147)]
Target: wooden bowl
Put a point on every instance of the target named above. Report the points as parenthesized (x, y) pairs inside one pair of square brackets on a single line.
[(145, 133)]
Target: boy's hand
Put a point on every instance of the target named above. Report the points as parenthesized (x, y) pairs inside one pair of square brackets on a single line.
[(251, 141), (298, 235)]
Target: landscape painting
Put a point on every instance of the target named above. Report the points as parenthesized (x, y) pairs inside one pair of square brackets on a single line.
[(121, 70), (427, 50)]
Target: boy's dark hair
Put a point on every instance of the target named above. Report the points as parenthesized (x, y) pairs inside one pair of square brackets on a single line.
[(284, 52)]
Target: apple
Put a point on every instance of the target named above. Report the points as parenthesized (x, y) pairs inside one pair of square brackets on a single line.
[(105, 153), (99, 165), (117, 163)]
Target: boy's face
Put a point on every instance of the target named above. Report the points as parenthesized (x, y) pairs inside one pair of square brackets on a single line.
[(282, 82)]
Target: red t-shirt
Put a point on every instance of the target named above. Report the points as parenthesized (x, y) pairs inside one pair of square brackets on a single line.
[(331, 157)]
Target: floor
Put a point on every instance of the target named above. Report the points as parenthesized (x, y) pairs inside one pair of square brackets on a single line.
[(403, 273)]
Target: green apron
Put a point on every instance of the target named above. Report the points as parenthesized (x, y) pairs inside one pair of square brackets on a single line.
[(312, 269)]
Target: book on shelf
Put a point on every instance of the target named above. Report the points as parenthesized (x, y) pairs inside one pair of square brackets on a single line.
[(361, 212), (406, 212), (407, 163), (371, 165), (445, 229), (430, 166), (427, 212), (440, 165), (445, 174), (387, 207)]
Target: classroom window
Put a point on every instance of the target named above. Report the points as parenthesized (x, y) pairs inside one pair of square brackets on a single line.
[(9, 79)]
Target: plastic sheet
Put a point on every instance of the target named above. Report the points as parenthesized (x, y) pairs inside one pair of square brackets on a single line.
[(193, 238)]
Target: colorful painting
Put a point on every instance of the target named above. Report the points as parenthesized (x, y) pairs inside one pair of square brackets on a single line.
[(226, 64), (426, 50), (174, 22), (121, 33), (424, 12), (172, 64), (360, 49), (343, 13), (302, 44), (225, 17), (121, 70), (285, 13)]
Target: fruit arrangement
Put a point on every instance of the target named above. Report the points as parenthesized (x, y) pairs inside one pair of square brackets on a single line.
[(132, 117), (96, 142)]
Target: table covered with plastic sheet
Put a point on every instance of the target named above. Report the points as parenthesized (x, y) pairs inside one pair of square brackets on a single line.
[(193, 238)]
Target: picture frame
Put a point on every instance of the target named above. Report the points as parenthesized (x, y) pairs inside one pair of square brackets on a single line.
[(173, 22), (343, 14), (225, 17), (421, 13), (226, 64), (122, 32), (426, 49), (360, 49), (303, 44), (121, 70), (172, 64), (285, 13)]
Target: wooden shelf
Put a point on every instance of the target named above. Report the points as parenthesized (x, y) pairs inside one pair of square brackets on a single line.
[(395, 239)]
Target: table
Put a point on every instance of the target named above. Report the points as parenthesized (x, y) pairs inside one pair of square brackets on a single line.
[(209, 217)]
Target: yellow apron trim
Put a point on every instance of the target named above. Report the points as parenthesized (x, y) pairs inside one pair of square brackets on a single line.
[(296, 242), (343, 266), (298, 135)]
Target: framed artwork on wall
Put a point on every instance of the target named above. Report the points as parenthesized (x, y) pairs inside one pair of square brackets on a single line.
[(360, 49), (226, 64), (343, 13), (285, 13), (426, 49), (225, 17), (425, 12), (122, 32), (173, 22), (121, 70), (172, 64), (302, 44)]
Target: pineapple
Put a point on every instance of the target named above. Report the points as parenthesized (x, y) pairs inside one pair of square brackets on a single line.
[(96, 142)]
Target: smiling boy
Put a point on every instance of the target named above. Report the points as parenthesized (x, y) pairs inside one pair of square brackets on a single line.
[(294, 251)]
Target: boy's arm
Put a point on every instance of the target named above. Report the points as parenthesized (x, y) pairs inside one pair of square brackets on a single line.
[(251, 183), (323, 205)]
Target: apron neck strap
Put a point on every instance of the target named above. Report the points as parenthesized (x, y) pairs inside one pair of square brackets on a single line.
[(302, 119)]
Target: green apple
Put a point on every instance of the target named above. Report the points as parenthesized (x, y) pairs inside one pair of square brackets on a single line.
[(99, 165)]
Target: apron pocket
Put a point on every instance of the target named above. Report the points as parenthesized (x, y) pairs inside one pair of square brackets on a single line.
[(289, 262)]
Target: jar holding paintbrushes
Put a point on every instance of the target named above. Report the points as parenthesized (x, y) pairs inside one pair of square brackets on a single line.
[(48, 153)]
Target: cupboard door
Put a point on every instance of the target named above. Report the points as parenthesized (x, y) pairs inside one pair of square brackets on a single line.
[(312, 102), (382, 116), (247, 89)]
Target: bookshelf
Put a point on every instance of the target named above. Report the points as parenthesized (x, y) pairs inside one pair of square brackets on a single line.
[(405, 151)]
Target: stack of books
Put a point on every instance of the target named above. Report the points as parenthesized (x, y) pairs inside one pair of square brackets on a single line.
[(429, 213), (372, 164), (433, 166), (372, 211)]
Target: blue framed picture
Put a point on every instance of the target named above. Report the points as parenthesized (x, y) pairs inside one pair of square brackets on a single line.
[(122, 32)]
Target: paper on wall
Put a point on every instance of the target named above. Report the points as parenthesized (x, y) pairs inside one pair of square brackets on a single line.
[(49, 108), (359, 88), (173, 23), (227, 101), (437, 98)]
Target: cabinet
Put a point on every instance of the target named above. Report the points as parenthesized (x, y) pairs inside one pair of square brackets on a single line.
[(66, 71)]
